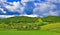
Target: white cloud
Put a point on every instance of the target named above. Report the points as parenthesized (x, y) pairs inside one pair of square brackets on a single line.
[(6, 16), (3, 0), (43, 7), (16, 7), (54, 1), (33, 15), (46, 6), (46, 14), (55, 13), (1, 9), (26, 0)]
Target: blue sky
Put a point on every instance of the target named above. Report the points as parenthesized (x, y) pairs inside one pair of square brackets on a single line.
[(33, 8)]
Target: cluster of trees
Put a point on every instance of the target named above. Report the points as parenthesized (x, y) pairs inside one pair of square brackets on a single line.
[(19, 26)]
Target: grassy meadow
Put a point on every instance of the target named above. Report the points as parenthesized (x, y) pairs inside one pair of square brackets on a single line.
[(30, 26), (34, 32)]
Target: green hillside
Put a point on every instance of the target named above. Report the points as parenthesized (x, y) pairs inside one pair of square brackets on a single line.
[(20, 23), (24, 19), (27, 23), (21, 19), (52, 19), (30, 25)]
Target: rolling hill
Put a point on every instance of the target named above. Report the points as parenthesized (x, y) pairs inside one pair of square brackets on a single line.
[(23, 22), (20, 19), (52, 19), (24, 19)]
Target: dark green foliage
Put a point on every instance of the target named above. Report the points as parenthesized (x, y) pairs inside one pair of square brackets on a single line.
[(51, 19), (21, 19)]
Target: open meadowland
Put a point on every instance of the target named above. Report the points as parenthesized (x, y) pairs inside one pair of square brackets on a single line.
[(34, 32), (30, 26), (50, 29)]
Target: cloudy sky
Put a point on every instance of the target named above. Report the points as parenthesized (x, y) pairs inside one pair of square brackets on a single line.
[(31, 8)]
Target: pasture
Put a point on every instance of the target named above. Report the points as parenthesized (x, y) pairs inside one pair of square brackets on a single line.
[(32, 32)]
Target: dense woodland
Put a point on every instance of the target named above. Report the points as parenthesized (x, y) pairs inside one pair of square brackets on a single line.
[(26, 23)]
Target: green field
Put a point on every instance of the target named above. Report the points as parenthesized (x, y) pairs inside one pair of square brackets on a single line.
[(34, 32), (30, 26)]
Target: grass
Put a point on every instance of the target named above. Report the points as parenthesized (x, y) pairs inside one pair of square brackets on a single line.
[(49, 29), (33, 32), (53, 27), (50, 26)]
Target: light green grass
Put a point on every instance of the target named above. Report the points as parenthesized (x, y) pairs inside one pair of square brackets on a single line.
[(32, 32), (50, 29), (50, 26)]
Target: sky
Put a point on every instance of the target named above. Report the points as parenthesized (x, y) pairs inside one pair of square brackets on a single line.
[(30, 8)]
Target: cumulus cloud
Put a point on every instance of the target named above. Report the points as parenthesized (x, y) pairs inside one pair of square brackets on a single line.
[(54, 1), (11, 6), (51, 13), (1, 9), (16, 7), (45, 6), (3, 0), (6, 16), (46, 9), (41, 9), (26, 0), (33, 15), (55, 13)]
